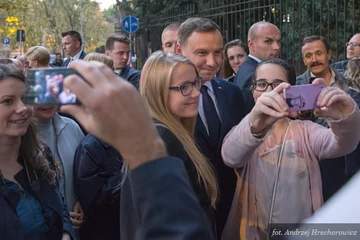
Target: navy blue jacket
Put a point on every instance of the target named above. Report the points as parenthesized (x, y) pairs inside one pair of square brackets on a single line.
[(231, 110), (97, 173), (66, 62), (342, 65), (132, 75), (165, 204), (244, 79), (58, 222)]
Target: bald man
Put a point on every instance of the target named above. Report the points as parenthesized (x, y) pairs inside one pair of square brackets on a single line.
[(264, 43), (169, 37), (352, 51)]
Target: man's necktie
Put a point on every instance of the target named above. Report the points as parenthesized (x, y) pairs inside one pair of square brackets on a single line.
[(212, 118)]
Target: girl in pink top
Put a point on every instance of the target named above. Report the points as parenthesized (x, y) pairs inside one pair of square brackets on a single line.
[(276, 159)]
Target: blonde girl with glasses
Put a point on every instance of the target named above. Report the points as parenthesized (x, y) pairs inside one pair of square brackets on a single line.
[(170, 86)]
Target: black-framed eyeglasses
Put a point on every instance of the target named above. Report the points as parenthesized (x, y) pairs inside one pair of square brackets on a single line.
[(187, 88), (354, 44), (262, 86)]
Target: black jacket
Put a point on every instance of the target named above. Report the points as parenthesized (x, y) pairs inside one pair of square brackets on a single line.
[(132, 75), (130, 224), (243, 81), (97, 173)]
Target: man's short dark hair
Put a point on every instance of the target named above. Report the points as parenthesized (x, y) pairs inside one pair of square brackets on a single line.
[(109, 44), (313, 38), (74, 36), (57, 54), (202, 25)]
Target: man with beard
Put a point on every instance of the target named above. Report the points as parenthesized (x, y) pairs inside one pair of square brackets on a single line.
[(264, 43), (316, 54)]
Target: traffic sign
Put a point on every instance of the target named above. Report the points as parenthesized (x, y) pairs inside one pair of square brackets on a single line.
[(6, 41), (20, 35), (130, 24)]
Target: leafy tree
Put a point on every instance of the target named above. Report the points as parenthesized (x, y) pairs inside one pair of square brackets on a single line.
[(44, 20)]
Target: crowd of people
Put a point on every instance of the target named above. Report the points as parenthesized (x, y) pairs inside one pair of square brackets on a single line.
[(198, 145)]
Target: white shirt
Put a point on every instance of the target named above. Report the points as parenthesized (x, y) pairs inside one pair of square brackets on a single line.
[(76, 57)]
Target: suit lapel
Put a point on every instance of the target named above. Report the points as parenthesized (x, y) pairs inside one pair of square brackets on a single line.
[(201, 128)]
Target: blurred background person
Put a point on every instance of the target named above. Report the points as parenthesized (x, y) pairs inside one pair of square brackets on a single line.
[(13, 63), (38, 57), (58, 62), (24, 61), (234, 54), (72, 45), (118, 48), (97, 179), (61, 134), (169, 37), (352, 76), (352, 51), (100, 57)]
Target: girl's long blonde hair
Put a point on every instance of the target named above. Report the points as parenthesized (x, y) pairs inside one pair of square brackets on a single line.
[(154, 89)]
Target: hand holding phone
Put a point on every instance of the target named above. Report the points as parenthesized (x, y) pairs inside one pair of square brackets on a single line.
[(302, 97), (45, 86)]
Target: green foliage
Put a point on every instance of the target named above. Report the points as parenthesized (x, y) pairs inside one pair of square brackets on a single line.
[(44, 20)]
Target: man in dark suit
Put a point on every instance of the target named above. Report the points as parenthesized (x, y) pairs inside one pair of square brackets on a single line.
[(220, 105), (72, 46), (264, 43), (118, 48), (164, 201)]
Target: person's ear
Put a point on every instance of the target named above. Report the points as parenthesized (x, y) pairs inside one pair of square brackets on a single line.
[(178, 48)]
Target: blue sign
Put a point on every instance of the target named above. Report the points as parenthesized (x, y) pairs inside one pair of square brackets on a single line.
[(130, 24), (6, 41)]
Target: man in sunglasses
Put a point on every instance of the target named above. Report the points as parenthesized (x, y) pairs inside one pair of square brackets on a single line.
[(352, 51), (220, 105)]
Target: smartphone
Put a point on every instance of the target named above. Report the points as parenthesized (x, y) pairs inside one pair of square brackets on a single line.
[(302, 97), (45, 86)]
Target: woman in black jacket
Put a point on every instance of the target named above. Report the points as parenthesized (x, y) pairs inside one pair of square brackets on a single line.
[(31, 206)]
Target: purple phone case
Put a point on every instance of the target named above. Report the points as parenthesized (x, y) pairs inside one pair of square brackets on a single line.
[(302, 97)]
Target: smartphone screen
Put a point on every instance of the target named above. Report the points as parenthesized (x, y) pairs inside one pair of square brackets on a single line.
[(302, 97), (45, 86)]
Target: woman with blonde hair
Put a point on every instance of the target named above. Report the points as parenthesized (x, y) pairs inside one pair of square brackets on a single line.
[(100, 57), (169, 86), (38, 56)]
